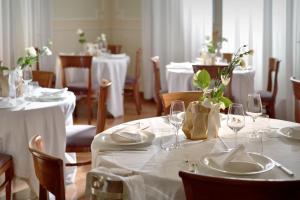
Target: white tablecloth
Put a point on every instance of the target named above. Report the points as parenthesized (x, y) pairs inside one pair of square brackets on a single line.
[(180, 76), (160, 168), (47, 119), (110, 68)]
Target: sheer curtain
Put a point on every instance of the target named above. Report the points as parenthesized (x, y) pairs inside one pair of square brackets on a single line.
[(174, 30), (22, 24)]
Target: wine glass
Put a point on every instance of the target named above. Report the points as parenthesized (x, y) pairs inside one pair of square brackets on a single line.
[(236, 118), (254, 107), (177, 112), (27, 77)]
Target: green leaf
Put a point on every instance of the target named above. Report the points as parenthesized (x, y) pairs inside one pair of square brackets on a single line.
[(227, 102), (203, 79)]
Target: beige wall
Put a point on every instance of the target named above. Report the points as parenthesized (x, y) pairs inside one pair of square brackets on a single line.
[(119, 19)]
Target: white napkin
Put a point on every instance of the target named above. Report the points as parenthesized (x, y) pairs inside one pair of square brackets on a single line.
[(133, 184), (127, 135), (52, 92), (237, 160)]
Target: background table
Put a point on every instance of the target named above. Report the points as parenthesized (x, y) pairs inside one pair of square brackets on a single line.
[(180, 76), (159, 168), (112, 68), (47, 119)]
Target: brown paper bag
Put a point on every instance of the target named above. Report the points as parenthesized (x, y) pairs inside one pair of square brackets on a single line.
[(195, 123)]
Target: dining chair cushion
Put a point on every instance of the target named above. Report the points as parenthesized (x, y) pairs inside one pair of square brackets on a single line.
[(130, 80), (4, 158), (265, 95), (80, 136)]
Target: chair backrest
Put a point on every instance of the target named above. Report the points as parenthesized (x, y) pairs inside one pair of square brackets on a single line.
[(38, 59), (101, 113), (114, 48), (156, 71), (138, 62), (70, 61), (227, 57), (296, 88), (205, 187), (213, 71), (45, 79), (48, 169), (187, 97), (273, 69)]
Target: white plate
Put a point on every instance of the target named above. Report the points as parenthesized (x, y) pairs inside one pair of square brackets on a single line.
[(147, 138), (292, 132), (264, 162)]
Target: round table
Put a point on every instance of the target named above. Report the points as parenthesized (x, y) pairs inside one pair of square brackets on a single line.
[(110, 67), (29, 118), (159, 169), (180, 75)]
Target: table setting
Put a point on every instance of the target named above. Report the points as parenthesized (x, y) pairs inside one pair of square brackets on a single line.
[(242, 144)]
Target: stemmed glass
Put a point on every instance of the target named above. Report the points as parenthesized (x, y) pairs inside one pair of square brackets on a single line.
[(254, 107), (27, 77), (236, 118), (177, 112)]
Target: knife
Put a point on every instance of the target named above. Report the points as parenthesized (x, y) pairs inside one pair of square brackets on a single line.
[(283, 168)]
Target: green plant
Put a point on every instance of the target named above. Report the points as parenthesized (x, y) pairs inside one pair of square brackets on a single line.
[(213, 89), (213, 46), (81, 35), (31, 55)]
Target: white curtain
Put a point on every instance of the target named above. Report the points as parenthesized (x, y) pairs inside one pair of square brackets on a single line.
[(174, 30), (24, 23)]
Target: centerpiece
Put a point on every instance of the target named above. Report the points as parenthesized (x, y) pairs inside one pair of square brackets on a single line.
[(202, 118)]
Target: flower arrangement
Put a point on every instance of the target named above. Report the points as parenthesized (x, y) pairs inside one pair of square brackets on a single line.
[(31, 55), (81, 35), (102, 37), (213, 90), (212, 46)]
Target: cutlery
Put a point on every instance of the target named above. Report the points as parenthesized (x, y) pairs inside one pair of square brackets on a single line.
[(283, 168)]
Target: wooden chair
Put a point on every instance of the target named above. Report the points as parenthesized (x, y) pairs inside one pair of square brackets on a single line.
[(48, 169), (80, 137), (268, 97), (80, 89), (213, 71), (114, 48), (157, 85), (227, 57), (37, 65), (296, 88), (206, 187), (6, 167), (187, 97), (132, 84), (45, 79)]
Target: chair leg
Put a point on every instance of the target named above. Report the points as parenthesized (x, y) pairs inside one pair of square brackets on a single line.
[(137, 99), (43, 193), (8, 177), (271, 109), (158, 108), (90, 113)]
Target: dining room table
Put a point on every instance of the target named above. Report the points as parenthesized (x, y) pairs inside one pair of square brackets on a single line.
[(179, 78), (45, 113), (112, 67), (159, 168)]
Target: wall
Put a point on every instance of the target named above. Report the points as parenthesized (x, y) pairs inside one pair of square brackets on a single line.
[(119, 19)]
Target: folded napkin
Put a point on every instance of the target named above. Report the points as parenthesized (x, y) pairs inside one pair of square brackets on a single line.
[(127, 135), (133, 184), (51, 92), (237, 160)]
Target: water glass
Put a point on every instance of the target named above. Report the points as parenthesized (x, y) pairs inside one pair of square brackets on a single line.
[(255, 142), (236, 118)]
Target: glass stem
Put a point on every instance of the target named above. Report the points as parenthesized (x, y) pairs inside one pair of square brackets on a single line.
[(176, 139), (235, 139)]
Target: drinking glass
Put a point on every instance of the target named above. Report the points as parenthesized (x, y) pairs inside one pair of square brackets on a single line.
[(27, 77), (236, 118), (177, 112), (254, 107)]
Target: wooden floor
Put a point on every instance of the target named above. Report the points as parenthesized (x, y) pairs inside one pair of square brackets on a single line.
[(76, 190)]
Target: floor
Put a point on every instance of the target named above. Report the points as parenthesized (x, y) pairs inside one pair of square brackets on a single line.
[(76, 190)]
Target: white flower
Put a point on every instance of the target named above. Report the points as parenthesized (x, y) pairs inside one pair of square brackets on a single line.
[(103, 36), (47, 51), (225, 79), (30, 51), (98, 39), (79, 31)]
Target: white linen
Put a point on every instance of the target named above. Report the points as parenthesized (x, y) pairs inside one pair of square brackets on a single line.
[(127, 135), (113, 69), (47, 119), (159, 168), (133, 185), (180, 79)]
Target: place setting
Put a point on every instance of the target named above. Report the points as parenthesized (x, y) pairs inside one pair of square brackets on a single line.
[(47, 94)]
